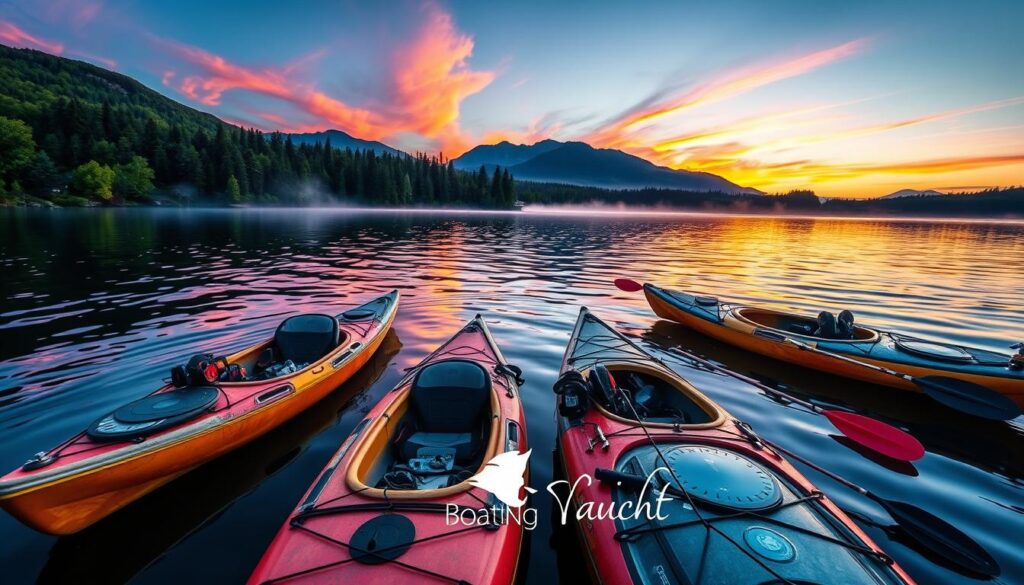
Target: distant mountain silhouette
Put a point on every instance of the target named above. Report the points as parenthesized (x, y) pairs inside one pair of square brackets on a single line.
[(503, 154), (911, 193), (578, 163), (343, 140)]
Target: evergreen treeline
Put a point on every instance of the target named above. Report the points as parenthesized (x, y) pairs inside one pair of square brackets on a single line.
[(72, 132), (1008, 202)]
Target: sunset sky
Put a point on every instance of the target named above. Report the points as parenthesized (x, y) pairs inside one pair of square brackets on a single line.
[(846, 98)]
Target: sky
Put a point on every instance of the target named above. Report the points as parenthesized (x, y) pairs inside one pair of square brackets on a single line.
[(850, 99)]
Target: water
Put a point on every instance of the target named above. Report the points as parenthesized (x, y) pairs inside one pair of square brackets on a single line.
[(98, 304)]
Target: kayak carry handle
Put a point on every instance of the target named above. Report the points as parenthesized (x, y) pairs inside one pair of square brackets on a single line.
[(617, 477)]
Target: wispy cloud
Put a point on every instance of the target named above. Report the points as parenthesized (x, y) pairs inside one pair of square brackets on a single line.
[(17, 37), (724, 86)]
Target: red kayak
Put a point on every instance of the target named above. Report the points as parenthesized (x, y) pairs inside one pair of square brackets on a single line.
[(630, 430), (399, 502)]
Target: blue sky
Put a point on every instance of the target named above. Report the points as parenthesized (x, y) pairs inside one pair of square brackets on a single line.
[(845, 98)]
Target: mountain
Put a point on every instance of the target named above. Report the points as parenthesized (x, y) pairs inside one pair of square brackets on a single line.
[(578, 163), (911, 193), (503, 154), (344, 140)]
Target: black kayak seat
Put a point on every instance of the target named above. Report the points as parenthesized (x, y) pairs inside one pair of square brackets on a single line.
[(304, 339), (447, 400)]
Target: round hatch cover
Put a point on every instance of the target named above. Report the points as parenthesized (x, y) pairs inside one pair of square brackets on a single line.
[(769, 544), (722, 478), (153, 413), (940, 351), (167, 404), (382, 539)]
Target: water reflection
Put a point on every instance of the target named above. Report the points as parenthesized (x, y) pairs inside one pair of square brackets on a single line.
[(97, 304)]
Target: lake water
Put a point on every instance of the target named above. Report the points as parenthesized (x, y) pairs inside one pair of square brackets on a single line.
[(98, 304)]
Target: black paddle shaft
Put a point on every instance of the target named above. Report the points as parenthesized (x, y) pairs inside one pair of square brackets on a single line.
[(931, 532)]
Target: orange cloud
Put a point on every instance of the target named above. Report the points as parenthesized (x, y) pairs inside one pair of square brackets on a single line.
[(429, 79), (12, 35)]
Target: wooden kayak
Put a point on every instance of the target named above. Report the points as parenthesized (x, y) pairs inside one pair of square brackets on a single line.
[(752, 329), (145, 444), (740, 513), (384, 509)]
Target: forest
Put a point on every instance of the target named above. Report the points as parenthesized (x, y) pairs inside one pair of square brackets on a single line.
[(75, 134)]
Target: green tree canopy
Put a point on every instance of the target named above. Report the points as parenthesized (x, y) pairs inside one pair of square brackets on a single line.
[(234, 191), (16, 146), (94, 181), (134, 179)]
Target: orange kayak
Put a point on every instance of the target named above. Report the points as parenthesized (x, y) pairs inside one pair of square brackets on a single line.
[(144, 444), (758, 330)]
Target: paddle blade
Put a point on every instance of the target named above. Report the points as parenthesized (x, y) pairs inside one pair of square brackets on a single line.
[(876, 435), (941, 538), (968, 397), (628, 285)]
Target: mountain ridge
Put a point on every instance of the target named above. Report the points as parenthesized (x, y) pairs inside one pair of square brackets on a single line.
[(341, 139), (912, 193), (578, 163)]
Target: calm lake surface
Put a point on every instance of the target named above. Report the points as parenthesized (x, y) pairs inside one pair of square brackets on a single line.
[(97, 305)]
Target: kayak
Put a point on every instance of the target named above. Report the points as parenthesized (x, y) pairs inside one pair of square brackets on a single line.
[(144, 444), (114, 550), (632, 433), (763, 331), (403, 497)]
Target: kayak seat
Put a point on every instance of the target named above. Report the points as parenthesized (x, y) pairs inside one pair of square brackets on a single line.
[(448, 401), (304, 339)]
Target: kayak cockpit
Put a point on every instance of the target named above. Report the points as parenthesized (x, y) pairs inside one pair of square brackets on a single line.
[(790, 324), (657, 398), (435, 436), (299, 342)]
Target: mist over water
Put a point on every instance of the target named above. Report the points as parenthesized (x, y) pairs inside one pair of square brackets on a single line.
[(97, 305)]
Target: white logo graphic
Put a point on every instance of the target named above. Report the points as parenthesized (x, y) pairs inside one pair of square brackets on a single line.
[(503, 477)]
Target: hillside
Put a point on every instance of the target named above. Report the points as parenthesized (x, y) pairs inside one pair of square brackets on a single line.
[(76, 134), (578, 163), (343, 140)]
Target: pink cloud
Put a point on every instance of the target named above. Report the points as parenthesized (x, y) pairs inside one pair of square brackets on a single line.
[(428, 80), (12, 35)]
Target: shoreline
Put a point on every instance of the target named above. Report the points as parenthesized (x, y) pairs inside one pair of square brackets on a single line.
[(624, 212)]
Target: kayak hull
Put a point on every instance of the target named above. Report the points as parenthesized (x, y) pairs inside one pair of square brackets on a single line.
[(88, 481), (611, 559), (313, 544), (726, 323)]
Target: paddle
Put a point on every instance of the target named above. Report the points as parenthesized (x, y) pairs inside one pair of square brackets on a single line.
[(954, 393), (925, 528), (871, 433), (628, 285)]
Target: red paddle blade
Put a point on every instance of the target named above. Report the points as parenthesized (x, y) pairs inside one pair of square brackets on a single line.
[(628, 285), (876, 435)]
